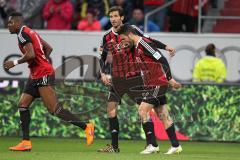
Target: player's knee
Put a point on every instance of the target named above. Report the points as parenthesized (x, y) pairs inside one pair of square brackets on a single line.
[(112, 110), (163, 116), (142, 113), (23, 104), (112, 113)]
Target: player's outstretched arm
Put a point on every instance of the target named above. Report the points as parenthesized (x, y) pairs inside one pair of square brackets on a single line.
[(47, 48), (171, 50), (29, 54), (152, 51), (104, 76)]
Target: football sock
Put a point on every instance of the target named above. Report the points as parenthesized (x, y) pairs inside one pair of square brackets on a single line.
[(148, 128), (69, 117), (172, 135), (114, 129), (25, 121)]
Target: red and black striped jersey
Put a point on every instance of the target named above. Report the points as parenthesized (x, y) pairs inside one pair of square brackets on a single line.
[(153, 65), (123, 59), (39, 66)]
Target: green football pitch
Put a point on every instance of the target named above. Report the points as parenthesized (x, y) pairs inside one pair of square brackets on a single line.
[(75, 149)]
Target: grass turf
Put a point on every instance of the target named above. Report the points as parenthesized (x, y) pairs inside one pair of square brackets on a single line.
[(75, 149)]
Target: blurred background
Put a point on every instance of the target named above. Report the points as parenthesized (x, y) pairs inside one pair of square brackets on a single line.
[(207, 62)]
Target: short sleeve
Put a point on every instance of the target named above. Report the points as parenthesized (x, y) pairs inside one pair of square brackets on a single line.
[(24, 38)]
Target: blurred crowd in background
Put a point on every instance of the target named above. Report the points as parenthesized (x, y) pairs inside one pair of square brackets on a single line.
[(92, 15)]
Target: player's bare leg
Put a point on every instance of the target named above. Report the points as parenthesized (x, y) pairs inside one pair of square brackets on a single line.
[(49, 98), (163, 114), (23, 107), (113, 126), (148, 128)]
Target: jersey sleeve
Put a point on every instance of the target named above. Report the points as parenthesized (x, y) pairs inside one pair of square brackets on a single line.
[(158, 56), (24, 38), (140, 33), (105, 68)]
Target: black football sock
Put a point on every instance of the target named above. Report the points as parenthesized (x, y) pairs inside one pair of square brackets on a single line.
[(69, 117), (147, 139), (25, 121), (114, 129), (172, 135), (148, 128)]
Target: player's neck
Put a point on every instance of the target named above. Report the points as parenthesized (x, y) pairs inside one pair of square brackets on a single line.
[(19, 29), (114, 29)]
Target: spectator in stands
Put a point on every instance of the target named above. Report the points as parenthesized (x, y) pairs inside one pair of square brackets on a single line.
[(210, 68), (77, 13), (138, 20), (101, 8), (58, 14), (90, 23), (3, 14), (31, 10), (127, 6), (184, 15), (158, 17)]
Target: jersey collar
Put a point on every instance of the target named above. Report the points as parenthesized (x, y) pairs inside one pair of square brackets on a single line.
[(114, 32), (20, 31)]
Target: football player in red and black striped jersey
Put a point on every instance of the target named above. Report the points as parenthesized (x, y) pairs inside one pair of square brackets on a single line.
[(35, 52), (117, 62), (157, 76)]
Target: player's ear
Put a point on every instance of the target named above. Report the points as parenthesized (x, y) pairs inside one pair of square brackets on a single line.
[(122, 18)]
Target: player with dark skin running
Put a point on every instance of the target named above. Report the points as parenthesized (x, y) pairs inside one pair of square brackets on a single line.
[(40, 83)]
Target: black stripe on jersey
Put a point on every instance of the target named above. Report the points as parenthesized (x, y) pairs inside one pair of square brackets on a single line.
[(120, 60), (124, 53), (139, 32), (152, 51), (103, 42), (131, 65), (115, 67), (24, 38)]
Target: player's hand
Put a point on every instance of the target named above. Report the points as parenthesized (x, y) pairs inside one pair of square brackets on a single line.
[(174, 84), (106, 79), (171, 50), (109, 58), (8, 64)]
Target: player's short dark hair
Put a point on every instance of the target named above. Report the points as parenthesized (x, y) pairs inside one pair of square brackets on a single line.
[(16, 14), (210, 49), (116, 8), (126, 29)]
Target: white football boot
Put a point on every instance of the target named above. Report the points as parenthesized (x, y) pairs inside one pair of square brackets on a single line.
[(150, 149), (174, 150)]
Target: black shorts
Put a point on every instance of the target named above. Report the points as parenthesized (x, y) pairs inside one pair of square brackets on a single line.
[(155, 95), (32, 85), (121, 86)]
